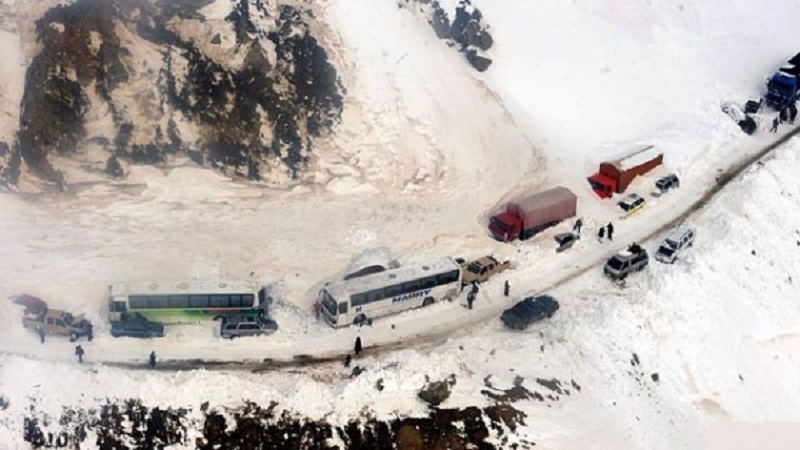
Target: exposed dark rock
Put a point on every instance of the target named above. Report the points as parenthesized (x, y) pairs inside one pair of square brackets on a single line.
[(114, 168), (297, 97), (435, 393), (440, 22), (654, 377), (131, 425), (480, 63)]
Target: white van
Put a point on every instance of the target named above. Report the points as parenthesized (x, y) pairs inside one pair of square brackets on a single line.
[(674, 244)]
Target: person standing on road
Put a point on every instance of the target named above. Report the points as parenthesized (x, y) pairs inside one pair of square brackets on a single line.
[(792, 113), (79, 352), (506, 288), (358, 346), (152, 361), (601, 233), (470, 299), (610, 231), (577, 227), (347, 360), (40, 329), (474, 288), (775, 123), (89, 331)]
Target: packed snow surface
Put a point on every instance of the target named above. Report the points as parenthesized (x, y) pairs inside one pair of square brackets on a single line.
[(427, 147)]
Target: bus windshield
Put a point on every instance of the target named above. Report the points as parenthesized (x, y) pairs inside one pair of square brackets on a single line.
[(328, 303)]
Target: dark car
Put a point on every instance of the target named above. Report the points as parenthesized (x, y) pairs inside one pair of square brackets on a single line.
[(529, 311), (235, 326), (668, 182), (136, 326)]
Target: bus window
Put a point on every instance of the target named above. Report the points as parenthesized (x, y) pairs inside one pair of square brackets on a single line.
[(343, 308), (138, 302), (411, 286), (445, 278), (218, 301), (178, 301), (248, 300), (392, 291), (428, 283), (156, 302), (359, 299), (199, 301), (235, 300), (375, 295)]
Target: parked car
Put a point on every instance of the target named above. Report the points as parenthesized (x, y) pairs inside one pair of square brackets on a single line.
[(529, 311), (735, 112), (631, 202), (633, 259), (668, 182), (482, 269), (56, 321), (674, 244), (566, 240), (136, 326), (235, 326)]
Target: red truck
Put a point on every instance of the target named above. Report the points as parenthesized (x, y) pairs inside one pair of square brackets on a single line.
[(526, 216), (615, 176)]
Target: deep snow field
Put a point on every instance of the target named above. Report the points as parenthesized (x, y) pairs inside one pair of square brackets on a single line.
[(426, 149)]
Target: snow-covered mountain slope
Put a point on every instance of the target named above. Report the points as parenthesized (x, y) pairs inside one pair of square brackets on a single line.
[(425, 146)]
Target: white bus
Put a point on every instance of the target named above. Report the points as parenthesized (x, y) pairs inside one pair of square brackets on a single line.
[(358, 299), (184, 301)]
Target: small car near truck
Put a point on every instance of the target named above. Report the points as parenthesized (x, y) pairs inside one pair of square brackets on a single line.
[(482, 269)]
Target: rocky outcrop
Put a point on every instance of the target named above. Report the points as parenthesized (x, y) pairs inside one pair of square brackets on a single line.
[(246, 93), (467, 31)]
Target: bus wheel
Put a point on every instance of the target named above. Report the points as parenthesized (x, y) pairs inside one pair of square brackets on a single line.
[(361, 318), (428, 301)]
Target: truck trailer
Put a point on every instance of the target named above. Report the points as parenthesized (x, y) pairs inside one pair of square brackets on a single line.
[(615, 176), (783, 88), (526, 216)]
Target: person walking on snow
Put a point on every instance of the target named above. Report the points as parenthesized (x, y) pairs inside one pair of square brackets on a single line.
[(600, 233), (792, 113), (41, 334), (358, 346), (470, 299), (152, 361), (347, 360), (474, 288), (577, 227), (610, 231), (775, 123), (79, 352), (506, 288)]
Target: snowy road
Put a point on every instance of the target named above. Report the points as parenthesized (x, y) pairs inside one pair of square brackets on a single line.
[(302, 339)]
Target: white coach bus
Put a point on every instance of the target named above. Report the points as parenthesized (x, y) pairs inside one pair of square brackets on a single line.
[(358, 299), (184, 301)]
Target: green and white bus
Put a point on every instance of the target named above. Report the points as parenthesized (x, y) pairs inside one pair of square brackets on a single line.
[(391, 291), (184, 301)]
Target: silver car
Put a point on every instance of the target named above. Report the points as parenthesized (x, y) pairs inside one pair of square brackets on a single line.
[(674, 244), (246, 326)]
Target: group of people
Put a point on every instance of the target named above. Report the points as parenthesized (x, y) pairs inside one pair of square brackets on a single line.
[(607, 230), (348, 359), (79, 352), (787, 114)]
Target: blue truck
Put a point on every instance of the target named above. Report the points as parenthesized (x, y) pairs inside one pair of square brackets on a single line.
[(783, 88)]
